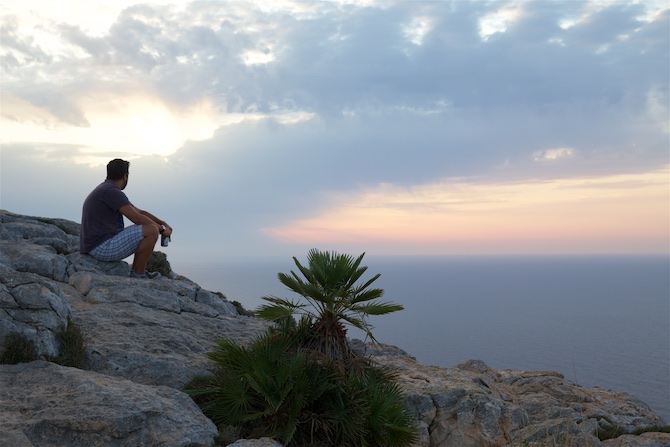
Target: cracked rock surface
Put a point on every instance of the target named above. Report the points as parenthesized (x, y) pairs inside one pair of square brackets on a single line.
[(145, 339)]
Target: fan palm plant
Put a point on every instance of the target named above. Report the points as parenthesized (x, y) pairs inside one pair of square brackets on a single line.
[(273, 388), (329, 284)]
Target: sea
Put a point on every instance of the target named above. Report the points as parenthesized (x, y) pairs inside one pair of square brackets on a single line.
[(598, 320)]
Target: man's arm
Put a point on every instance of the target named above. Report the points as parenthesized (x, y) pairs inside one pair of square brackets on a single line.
[(141, 217)]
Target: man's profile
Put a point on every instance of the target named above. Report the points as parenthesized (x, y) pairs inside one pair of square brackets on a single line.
[(103, 234)]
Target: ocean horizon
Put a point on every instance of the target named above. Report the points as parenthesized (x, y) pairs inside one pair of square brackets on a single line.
[(599, 320)]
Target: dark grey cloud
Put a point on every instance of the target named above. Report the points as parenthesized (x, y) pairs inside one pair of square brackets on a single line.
[(352, 58)]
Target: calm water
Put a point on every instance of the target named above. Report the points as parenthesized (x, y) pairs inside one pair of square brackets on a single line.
[(600, 321)]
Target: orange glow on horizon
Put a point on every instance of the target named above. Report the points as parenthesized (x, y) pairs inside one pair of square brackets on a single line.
[(614, 214)]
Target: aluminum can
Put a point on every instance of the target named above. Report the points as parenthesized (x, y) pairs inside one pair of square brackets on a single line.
[(164, 240)]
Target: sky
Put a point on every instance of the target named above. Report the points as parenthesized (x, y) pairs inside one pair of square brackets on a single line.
[(261, 128)]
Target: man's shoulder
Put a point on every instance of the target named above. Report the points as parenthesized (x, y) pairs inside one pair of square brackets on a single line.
[(109, 187), (109, 191), (104, 186)]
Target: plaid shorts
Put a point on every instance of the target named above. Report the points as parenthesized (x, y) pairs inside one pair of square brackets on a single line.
[(120, 246)]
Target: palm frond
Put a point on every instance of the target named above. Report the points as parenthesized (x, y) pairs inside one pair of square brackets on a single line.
[(280, 309), (328, 281), (370, 281), (377, 308), (367, 295)]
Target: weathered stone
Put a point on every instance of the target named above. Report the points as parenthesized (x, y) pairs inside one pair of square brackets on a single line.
[(27, 257), (263, 442), (213, 300), (60, 234), (44, 404), (85, 263), (142, 335), (473, 405), (32, 307), (158, 262), (150, 331), (644, 440)]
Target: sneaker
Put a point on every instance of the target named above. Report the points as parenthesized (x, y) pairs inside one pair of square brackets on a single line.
[(145, 275)]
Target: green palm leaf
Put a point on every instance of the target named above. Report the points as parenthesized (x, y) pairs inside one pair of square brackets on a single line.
[(378, 308), (334, 295)]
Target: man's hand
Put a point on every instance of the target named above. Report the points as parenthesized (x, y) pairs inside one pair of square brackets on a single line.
[(168, 230), (141, 217)]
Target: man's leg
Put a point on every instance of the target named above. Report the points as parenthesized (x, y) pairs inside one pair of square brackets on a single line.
[(145, 249), (120, 246)]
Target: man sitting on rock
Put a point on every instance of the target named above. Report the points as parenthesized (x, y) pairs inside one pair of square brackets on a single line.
[(103, 235)]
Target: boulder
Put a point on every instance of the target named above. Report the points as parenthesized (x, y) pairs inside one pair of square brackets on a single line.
[(473, 405), (60, 234), (85, 263), (42, 260), (34, 308), (644, 440), (151, 331), (44, 404), (145, 339)]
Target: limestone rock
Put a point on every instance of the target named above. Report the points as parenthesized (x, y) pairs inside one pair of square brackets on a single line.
[(263, 442), (33, 307), (150, 331), (85, 263), (43, 260), (644, 440), (473, 405), (44, 404), (60, 234), (145, 339)]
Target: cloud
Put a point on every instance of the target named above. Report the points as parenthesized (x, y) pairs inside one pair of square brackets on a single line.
[(553, 154), (256, 115), (359, 58), (455, 216)]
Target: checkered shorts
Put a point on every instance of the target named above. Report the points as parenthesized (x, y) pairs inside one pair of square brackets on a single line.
[(120, 246)]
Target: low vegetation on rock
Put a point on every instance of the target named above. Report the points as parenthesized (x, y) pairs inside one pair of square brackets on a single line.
[(146, 339), (300, 382), (72, 350), (158, 262), (18, 349)]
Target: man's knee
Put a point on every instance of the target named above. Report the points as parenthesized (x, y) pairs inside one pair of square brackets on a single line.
[(150, 231)]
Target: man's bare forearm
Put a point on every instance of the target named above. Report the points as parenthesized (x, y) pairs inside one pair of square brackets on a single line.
[(155, 219), (161, 223)]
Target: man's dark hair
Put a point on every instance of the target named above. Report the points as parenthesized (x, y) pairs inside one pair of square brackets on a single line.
[(117, 168)]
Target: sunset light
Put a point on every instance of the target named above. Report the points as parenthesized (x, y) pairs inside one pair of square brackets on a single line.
[(565, 215), (502, 167)]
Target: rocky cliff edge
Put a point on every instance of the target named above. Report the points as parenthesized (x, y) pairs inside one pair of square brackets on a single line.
[(145, 339)]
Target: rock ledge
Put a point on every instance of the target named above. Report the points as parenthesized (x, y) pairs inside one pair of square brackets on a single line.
[(145, 339)]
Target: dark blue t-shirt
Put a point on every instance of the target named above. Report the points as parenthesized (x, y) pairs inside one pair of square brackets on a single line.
[(100, 215)]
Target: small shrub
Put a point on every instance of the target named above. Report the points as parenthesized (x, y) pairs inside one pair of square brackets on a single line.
[(220, 295), (275, 388), (300, 382), (72, 352), (610, 431), (158, 263), (238, 306), (18, 349), (653, 429), (241, 310), (261, 389)]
